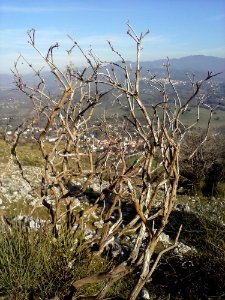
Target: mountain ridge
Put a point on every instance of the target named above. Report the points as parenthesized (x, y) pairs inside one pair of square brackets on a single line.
[(193, 62), (199, 64)]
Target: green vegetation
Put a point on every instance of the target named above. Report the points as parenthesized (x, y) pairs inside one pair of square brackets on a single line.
[(28, 153), (202, 274), (203, 171), (218, 119), (4, 151), (33, 264), (22, 207)]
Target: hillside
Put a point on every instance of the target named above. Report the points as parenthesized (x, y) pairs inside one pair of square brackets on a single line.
[(194, 63), (111, 200), (14, 105), (179, 66)]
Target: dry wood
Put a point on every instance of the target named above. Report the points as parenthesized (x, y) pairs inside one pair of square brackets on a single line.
[(149, 183)]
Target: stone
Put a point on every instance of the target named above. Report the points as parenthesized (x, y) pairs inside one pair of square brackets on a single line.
[(145, 294)]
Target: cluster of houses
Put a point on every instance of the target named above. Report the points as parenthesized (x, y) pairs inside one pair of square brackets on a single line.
[(118, 145)]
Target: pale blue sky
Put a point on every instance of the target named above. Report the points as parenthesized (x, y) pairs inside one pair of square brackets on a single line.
[(177, 28)]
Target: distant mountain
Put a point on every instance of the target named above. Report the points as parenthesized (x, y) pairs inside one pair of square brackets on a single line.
[(193, 63), (198, 64)]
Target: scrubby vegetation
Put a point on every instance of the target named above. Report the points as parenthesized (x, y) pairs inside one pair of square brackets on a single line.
[(201, 274), (33, 264), (203, 171), (133, 203)]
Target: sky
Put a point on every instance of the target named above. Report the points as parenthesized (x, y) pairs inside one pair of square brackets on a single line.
[(177, 28)]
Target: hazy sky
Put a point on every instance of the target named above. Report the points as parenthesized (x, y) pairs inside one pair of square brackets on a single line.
[(177, 28)]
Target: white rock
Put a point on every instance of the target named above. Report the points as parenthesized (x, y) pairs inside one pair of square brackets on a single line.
[(88, 237), (95, 187), (145, 294), (183, 249), (165, 239), (32, 224)]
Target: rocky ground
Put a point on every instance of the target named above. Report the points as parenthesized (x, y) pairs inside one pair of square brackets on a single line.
[(14, 187)]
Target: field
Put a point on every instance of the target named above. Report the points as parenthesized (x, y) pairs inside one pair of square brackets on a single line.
[(112, 109)]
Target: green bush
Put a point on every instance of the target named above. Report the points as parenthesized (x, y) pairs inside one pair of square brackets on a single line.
[(33, 264)]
